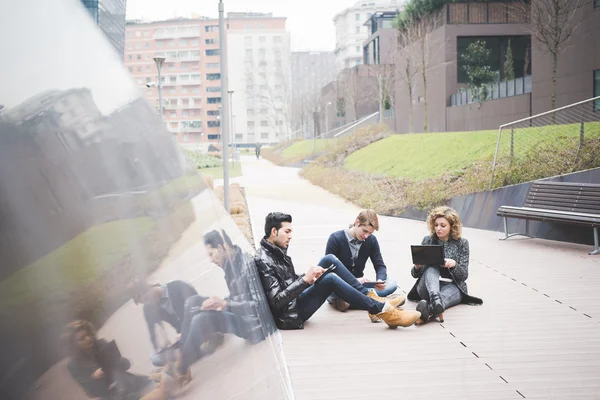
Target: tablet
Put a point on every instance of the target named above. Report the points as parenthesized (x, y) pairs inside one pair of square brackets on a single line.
[(428, 254), (327, 270)]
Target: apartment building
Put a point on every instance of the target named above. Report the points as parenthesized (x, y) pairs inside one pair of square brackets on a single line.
[(311, 70), (259, 58), (190, 75), (351, 32)]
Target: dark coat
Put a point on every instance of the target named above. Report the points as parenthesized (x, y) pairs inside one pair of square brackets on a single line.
[(82, 367), (281, 284), (246, 297), (458, 250), (178, 292), (338, 246)]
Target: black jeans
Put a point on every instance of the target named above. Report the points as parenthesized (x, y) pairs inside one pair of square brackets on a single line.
[(343, 284)]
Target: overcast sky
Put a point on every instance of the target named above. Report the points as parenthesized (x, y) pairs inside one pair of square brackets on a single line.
[(309, 21)]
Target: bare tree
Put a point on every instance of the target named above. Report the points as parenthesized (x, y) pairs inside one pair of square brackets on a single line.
[(352, 92), (421, 32), (407, 70), (553, 23)]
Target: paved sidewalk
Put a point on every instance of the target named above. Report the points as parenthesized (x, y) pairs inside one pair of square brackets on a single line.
[(536, 336)]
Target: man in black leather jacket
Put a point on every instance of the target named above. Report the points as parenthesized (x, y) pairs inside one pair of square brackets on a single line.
[(295, 298)]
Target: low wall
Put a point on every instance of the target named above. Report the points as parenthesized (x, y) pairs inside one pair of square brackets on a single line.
[(489, 114), (478, 210)]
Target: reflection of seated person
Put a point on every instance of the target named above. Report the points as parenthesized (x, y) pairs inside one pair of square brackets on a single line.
[(99, 369), (163, 303), (237, 314)]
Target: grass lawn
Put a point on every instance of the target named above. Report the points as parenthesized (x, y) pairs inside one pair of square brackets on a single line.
[(427, 155), (78, 262), (305, 148), (217, 173)]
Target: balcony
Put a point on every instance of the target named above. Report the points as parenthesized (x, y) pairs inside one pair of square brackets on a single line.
[(171, 106), (498, 90), (190, 82), (483, 13), (191, 129), (177, 33), (188, 58)]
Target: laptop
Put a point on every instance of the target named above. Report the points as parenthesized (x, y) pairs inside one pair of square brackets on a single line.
[(427, 254)]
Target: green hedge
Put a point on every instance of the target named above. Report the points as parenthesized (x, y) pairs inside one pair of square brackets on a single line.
[(201, 160)]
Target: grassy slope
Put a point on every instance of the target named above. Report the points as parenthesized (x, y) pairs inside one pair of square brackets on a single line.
[(304, 148), (427, 155), (76, 263)]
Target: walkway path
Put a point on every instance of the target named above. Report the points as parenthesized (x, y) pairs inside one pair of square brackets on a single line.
[(536, 336)]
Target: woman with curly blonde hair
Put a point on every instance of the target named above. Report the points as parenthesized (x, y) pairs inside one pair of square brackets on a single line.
[(97, 366), (440, 287)]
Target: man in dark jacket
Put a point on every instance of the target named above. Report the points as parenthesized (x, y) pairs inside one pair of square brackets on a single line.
[(240, 314), (163, 303), (295, 298), (353, 247)]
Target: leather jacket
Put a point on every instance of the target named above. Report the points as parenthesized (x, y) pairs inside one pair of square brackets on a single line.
[(281, 284)]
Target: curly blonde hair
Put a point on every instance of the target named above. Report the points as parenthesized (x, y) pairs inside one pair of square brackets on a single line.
[(451, 215), (71, 330)]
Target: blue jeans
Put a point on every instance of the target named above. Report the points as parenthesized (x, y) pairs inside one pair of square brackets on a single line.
[(430, 283), (342, 283), (390, 287)]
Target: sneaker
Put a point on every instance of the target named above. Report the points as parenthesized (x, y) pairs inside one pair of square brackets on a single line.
[(340, 304), (396, 317)]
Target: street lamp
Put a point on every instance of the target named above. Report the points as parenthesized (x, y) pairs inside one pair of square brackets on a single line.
[(159, 62), (224, 122), (231, 127), (327, 117)]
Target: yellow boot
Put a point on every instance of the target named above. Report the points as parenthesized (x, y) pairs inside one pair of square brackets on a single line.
[(397, 301), (395, 317)]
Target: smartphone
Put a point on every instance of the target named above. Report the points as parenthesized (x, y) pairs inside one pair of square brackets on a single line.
[(327, 270)]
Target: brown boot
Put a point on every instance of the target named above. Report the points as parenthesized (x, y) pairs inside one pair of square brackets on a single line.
[(396, 317)]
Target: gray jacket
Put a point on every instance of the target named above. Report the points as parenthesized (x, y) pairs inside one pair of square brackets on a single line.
[(457, 250)]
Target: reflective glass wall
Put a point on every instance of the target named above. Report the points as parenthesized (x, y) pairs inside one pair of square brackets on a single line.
[(121, 277), (110, 17)]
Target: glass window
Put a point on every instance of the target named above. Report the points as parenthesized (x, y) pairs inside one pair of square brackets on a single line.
[(215, 89), (213, 52), (357, 17), (214, 124), (212, 112), (498, 45), (264, 135), (214, 137), (213, 77), (211, 28), (358, 29), (213, 100)]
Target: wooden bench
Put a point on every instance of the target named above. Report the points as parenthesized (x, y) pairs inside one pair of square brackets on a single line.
[(569, 203)]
